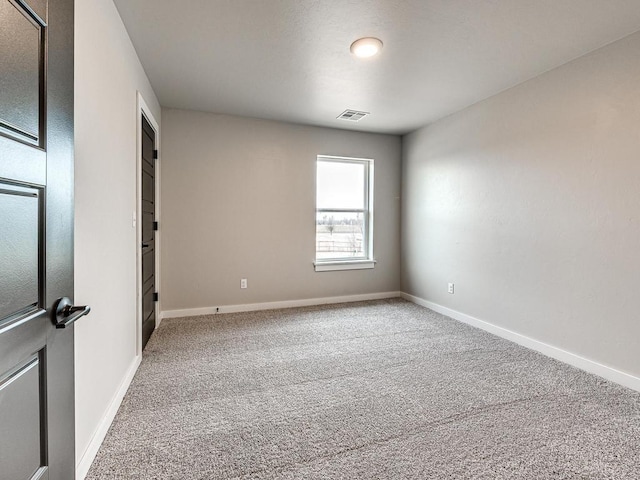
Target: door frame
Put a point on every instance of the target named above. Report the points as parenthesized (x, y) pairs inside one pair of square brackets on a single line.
[(144, 110)]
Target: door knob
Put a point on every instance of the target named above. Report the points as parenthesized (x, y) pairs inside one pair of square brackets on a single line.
[(64, 313)]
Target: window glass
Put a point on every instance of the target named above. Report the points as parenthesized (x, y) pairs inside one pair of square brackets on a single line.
[(339, 235), (340, 185), (343, 214)]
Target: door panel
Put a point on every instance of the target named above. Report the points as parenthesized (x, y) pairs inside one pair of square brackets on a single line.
[(36, 239), (149, 322), (22, 416), (148, 232), (14, 157), (20, 248), (21, 84), (24, 430)]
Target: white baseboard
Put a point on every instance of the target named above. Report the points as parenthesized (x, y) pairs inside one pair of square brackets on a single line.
[(83, 465), (250, 307), (609, 373)]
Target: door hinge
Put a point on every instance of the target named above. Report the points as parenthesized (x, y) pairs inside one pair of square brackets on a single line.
[(155, 226), (155, 154), (155, 296)]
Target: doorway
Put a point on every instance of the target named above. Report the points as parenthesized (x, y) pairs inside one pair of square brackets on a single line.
[(148, 213), (149, 225)]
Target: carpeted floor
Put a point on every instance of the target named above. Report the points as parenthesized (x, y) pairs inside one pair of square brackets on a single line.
[(372, 390)]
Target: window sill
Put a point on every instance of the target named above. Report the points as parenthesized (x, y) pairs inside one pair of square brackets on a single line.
[(344, 265)]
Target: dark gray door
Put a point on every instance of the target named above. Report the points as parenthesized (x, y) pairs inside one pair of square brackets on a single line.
[(149, 295), (36, 239)]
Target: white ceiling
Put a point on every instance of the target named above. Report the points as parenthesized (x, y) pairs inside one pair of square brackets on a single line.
[(289, 60)]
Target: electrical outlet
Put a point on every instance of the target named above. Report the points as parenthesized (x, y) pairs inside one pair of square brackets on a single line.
[(451, 288), (243, 283)]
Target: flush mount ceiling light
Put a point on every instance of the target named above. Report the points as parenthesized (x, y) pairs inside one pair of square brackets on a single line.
[(366, 47)]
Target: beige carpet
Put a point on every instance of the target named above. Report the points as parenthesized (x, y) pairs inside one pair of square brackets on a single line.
[(372, 390)]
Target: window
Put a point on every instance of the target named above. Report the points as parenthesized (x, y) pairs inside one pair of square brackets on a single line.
[(344, 220)]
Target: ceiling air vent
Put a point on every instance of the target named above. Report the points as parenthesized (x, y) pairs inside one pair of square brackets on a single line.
[(352, 115)]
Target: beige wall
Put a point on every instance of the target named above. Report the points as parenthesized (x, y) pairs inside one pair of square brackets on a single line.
[(530, 203), (108, 75), (238, 201)]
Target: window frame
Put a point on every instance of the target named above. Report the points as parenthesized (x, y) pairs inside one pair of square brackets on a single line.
[(365, 261)]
